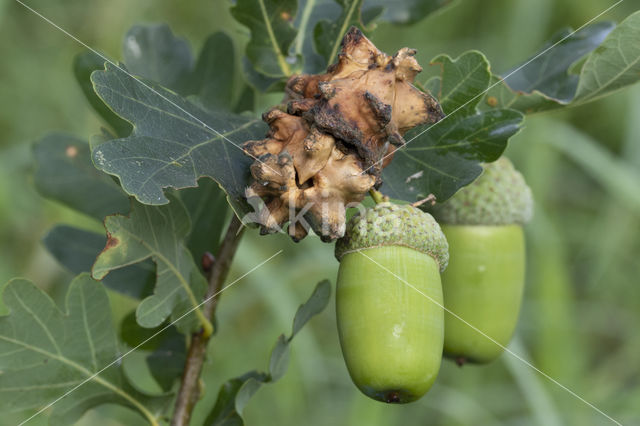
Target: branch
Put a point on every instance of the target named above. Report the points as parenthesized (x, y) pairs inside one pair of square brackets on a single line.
[(217, 270)]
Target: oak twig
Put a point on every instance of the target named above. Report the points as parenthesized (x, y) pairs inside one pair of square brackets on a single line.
[(216, 269)]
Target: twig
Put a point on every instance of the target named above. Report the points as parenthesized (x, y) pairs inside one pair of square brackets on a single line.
[(189, 392)]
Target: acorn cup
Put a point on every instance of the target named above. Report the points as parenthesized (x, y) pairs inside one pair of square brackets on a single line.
[(389, 301), (484, 281)]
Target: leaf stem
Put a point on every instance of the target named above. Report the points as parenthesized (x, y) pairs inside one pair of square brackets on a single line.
[(377, 196), (146, 413), (189, 392), (282, 62), (304, 22), (342, 31)]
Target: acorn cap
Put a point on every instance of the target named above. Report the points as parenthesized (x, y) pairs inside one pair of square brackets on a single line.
[(389, 224), (499, 196)]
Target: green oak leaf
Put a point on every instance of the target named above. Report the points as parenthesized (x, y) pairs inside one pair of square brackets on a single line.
[(157, 233), (432, 85), (83, 65), (259, 81), (272, 34), (64, 173), (328, 34), (552, 78), (213, 75), (614, 64), (463, 81), (236, 393), (441, 158), (312, 307), (279, 360), (77, 250), (45, 353), (208, 210), (500, 96), (135, 336), (447, 157), (165, 346), (404, 11), (224, 412), (548, 73), (170, 145), (311, 13), (246, 100), (588, 65), (153, 52), (166, 362)]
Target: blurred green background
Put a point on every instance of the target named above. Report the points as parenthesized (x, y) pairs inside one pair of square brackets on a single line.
[(581, 314)]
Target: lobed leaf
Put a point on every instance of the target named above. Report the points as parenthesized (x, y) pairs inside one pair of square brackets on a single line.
[(236, 393), (259, 81), (77, 250), (157, 233), (463, 82), (441, 158), (208, 211), (213, 76), (170, 145), (447, 156), (272, 34), (166, 363), (614, 64), (501, 96), (45, 353), (166, 352), (595, 61), (547, 72), (153, 52), (83, 65)]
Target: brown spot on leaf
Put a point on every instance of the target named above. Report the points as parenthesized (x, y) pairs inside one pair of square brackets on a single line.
[(286, 16), (71, 151), (492, 101), (111, 241)]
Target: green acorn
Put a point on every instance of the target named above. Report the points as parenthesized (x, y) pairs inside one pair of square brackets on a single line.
[(391, 335), (484, 281)]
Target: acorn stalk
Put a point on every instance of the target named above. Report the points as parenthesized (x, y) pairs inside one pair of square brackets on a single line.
[(483, 284), (389, 301)]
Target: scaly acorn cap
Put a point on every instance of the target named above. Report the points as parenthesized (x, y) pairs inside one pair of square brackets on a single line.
[(500, 196), (389, 224)]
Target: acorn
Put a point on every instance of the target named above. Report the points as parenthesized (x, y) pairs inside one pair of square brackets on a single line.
[(389, 301), (483, 284)]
